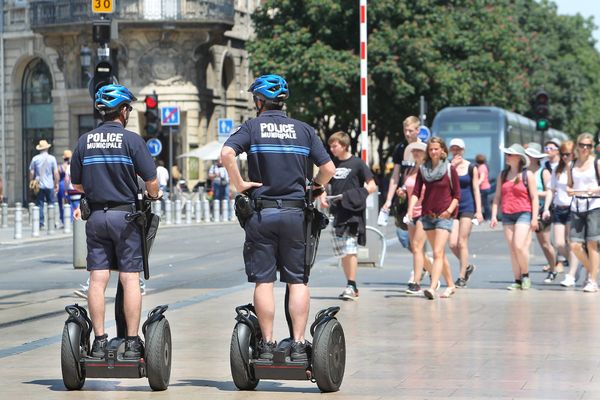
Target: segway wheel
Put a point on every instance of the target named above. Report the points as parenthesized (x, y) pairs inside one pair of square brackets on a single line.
[(329, 356), (239, 356), (158, 354), (73, 376)]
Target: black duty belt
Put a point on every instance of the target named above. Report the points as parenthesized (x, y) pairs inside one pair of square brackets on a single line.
[(263, 203), (112, 206)]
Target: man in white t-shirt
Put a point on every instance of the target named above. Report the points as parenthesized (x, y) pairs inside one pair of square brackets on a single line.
[(163, 176)]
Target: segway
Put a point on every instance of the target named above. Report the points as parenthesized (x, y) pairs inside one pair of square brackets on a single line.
[(77, 362), (326, 361)]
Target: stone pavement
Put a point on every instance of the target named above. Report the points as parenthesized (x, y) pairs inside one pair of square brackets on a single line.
[(482, 343)]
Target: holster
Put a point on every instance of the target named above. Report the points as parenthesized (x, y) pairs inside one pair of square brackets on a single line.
[(243, 208), (84, 207), (314, 222)]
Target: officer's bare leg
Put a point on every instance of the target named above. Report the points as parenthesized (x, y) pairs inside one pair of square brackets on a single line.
[(264, 304), (299, 305), (132, 300), (98, 281), (350, 265)]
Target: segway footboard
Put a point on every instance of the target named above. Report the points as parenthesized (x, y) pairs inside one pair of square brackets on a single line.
[(113, 365), (282, 367)]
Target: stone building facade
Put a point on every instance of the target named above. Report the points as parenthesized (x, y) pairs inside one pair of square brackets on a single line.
[(189, 52)]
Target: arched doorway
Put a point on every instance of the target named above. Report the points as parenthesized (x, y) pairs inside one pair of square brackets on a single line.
[(38, 114)]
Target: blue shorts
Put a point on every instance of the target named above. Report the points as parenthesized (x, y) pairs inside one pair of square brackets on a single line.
[(560, 215), (431, 223), (517, 218), (113, 243), (275, 239)]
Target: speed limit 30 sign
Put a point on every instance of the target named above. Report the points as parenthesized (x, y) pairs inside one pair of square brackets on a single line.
[(102, 6)]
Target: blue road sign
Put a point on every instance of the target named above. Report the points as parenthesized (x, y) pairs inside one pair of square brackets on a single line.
[(424, 134), (225, 126), (155, 146), (170, 116)]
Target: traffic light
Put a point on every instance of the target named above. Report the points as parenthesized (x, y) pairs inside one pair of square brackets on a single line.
[(541, 108), (152, 114), (103, 75)]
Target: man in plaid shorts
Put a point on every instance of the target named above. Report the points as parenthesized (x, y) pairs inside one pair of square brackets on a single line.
[(353, 180)]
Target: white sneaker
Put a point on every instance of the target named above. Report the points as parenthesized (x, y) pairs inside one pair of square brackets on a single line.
[(590, 287), (569, 281), (412, 277), (349, 294), (81, 292)]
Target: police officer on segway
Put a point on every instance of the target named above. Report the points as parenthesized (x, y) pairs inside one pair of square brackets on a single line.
[(279, 150), (105, 166)]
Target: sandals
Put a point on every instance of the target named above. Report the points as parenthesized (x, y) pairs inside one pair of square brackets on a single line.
[(448, 292)]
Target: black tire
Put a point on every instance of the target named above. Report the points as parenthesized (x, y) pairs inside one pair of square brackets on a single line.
[(73, 377), (158, 354), (240, 368), (329, 356)]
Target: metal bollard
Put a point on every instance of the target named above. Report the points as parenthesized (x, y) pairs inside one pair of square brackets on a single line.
[(232, 208), (45, 221), (225, 210), (205, 210), (35, 221), (51, 219), (157, 207), (168, 212), (4, 215), (30, 208), (216, 210), (67, 214), (198, 211), (18, 221), (178, 212), (188, 212), (79, 244)]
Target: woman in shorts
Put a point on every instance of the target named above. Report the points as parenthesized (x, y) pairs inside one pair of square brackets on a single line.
[(516, 192), (440, 181)]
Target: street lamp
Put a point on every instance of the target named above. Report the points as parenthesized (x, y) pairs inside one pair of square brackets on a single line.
[(85, 59)]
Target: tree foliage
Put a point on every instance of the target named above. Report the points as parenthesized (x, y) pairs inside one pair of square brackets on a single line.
[(460, 52)]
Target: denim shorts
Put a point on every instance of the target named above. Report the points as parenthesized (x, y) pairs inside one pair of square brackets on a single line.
[(517, 218), (431, 223), (585, 226), (560, 215)]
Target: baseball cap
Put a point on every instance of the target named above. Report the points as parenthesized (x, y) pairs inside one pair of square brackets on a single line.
[(457, 142)]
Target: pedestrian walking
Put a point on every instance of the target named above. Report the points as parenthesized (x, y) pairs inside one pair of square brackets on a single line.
[(64, 172), (583, 178), (105, 166), (469, 210), (43, 173), (281, 152), (516, 193), (542, 177), (440, 206), (484, 185), (351, 184)]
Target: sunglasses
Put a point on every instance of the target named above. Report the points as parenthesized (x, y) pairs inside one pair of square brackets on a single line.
[(585, 145), (128, 107), (550, 148), (565, 154)]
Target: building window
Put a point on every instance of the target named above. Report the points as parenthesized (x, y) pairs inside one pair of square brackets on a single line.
[(38, 113), (85, 124)]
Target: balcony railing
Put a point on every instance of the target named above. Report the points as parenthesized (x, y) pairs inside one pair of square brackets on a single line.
[(47, 13)]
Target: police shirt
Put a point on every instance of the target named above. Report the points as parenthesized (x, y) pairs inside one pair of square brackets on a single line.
[(107, 161), (278, 148)]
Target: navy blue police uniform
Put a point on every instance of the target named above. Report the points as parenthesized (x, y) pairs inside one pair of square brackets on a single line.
[(279, 149), (107, 161)]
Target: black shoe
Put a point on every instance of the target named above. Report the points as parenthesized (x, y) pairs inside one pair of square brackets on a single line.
[(300, 351), (265, 349), (461, 283), (99, 346), (133, 348), (469, 271), (413, 288)]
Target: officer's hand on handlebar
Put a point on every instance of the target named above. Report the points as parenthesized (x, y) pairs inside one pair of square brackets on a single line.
[(158, 196), (77, 213)]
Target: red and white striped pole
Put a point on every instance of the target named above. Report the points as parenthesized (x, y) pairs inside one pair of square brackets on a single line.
[(364, 103)]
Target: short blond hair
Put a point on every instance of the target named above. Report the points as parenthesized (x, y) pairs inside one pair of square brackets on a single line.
[(341, 137), (412, 120)]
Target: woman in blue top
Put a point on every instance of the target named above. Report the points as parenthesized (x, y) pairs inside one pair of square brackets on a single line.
[(542, 180), (469, 208)]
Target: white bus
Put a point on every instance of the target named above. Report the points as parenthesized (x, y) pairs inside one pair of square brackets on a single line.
[(487, 129)]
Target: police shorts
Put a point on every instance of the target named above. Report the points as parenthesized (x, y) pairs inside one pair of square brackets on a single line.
[(113, 243), (275, 239), (585, 226)]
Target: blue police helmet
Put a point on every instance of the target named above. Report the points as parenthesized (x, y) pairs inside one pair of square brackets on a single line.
[(270, 87), (110, 97)]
